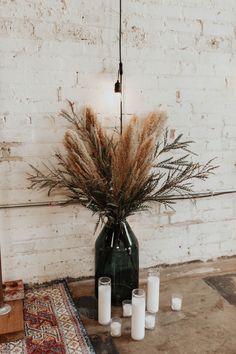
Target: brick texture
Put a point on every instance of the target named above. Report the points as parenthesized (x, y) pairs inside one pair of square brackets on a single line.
[(179, 56)]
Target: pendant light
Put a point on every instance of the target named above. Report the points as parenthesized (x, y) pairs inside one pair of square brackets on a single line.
[(118, 84)]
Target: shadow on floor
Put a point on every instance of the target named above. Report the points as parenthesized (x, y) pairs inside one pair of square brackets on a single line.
[(102, 342), (225, 285)]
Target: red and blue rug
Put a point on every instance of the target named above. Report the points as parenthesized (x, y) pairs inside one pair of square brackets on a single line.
[(52, 324)]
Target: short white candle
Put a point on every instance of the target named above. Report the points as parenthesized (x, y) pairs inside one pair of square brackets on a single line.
[(104, 303), (153, 289), (115, 329), (127, 310), (149, 320), (138, 314), (176, 302)]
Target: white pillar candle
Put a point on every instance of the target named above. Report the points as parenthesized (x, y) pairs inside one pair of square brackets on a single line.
[(104, 300), (115, 327), (138, 314), (176, 302), (150, 319), (153, 289)]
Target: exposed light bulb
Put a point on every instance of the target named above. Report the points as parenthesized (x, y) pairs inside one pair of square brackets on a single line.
[(117, 87)]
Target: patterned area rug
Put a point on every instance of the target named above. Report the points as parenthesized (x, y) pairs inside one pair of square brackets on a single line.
[(52, 324)]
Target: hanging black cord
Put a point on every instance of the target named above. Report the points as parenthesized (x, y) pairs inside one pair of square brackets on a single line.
[(120, 34), (120, 71), (118, 84)]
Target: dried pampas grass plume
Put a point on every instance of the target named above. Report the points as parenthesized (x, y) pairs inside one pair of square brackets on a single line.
[(153, 124), (132, 158)]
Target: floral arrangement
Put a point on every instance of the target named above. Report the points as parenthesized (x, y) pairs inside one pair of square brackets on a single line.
[(116, 175)]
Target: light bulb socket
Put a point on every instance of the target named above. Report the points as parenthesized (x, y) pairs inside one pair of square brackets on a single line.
[(117, 87)]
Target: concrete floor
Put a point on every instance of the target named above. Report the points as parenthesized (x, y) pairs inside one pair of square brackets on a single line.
[(207, 323)]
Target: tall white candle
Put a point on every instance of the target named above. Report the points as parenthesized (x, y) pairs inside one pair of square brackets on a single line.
[(153, 290), (104, 300), (138, 314)]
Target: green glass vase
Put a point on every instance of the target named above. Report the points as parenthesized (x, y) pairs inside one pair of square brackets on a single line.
[(117, 257)]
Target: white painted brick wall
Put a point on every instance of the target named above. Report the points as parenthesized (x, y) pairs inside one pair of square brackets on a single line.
[(179, 56)]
